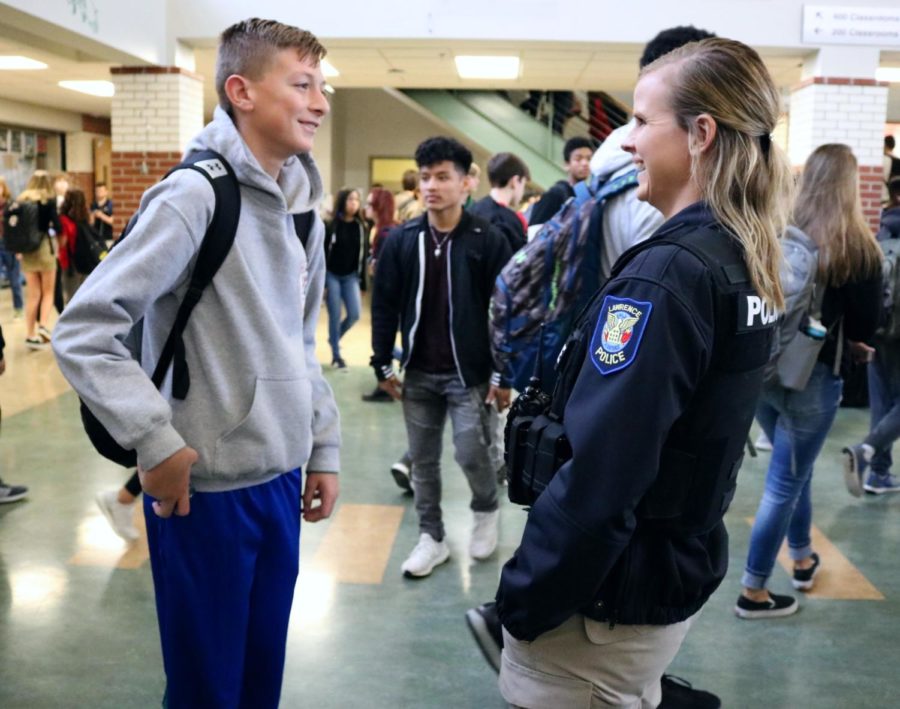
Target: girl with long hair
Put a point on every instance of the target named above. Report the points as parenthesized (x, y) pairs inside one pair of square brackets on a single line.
[(380, 213), (657, 389), (346, 252), (74, 216), (8, 259), (39, 266), (828, 210)]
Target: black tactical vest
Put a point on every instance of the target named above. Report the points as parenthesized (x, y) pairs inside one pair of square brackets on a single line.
[(703, 452)]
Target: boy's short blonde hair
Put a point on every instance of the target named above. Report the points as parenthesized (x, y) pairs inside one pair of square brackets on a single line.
[(246, 48)]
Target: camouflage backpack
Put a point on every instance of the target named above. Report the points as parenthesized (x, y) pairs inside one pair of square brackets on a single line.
[(548, 281)]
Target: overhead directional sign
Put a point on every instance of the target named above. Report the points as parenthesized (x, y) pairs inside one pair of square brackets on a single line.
[(836, 24)]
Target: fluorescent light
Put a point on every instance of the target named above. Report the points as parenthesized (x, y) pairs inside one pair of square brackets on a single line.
[(328, 69), (12, 63), (104, 89), (471, 67), (888, 73), (329, 89)]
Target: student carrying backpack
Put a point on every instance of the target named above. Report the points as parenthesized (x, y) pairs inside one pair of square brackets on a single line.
[(549, 281), (799, 334), (21, 230), (224, 456)]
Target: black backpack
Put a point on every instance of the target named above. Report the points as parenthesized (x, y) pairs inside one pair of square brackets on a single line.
[(21, 227), (90, 249), (214, 248)]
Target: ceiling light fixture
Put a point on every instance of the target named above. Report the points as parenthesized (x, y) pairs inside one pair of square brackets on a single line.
[(474, 67), (329, 89), (888, 73), (18, 63), (328, 69), (104, 89)]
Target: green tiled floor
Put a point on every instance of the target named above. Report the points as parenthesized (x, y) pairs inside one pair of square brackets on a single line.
[(73, 636)]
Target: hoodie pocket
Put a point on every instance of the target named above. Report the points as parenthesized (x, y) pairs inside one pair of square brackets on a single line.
[(274, 436)]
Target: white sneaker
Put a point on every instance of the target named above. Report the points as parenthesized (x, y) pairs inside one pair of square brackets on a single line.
[(484, 535), (427, 554), (119, 516), (762, 442)]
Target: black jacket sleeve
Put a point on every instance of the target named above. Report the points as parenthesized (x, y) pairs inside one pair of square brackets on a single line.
[(548, 205), (859, 302), (497, 257), (862, 308), (617, 424), (387, 296)]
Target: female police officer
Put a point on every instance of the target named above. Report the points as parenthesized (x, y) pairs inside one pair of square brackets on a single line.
[(657, 392)]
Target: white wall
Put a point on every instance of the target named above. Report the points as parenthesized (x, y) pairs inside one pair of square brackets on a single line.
[(762, 23), (372, 123), (137, 28), (29, 115)]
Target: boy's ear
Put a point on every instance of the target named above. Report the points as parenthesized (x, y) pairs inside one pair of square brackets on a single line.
[(237, 90)]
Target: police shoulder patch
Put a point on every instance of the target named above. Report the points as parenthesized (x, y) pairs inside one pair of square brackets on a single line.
[(618, 333)]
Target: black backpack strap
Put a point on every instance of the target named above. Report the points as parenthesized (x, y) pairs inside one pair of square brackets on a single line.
[(214, 248), (303, 224)]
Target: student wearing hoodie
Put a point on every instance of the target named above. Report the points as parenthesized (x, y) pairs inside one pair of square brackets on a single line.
[(222, 468)]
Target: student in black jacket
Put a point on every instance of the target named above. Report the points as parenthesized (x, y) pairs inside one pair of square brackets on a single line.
[(435, 278), (577, 155), (509, 176), (346, 254)]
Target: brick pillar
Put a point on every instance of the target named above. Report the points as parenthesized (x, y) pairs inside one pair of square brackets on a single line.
[(155, 112), (848, 111)]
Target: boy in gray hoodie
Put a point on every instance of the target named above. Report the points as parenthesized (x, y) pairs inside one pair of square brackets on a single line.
[(221, 468)]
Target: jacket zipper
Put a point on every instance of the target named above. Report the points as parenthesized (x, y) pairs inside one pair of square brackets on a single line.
[(450, 298), (415, 325)]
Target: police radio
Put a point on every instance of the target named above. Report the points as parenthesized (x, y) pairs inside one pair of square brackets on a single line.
[(536, 444)]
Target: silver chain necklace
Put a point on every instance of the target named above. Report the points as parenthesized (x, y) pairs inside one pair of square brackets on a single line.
[(438, 244)]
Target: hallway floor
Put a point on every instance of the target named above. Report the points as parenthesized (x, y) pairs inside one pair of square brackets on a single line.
[(77, 621)]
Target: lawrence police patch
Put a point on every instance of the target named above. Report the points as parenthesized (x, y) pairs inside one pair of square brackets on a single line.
[(618, 333)]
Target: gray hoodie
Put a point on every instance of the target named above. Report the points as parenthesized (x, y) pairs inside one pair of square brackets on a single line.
[(258, 405), (626, 219)]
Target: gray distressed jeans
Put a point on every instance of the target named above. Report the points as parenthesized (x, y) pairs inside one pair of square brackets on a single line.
[(427, 399)]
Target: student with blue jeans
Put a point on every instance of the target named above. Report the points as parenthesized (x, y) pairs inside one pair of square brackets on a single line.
[(346, 253), (797, 423), (884, 393), (8, 260), (829, 211)]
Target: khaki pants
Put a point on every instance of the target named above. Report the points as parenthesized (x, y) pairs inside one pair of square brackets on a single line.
[(583, 664)]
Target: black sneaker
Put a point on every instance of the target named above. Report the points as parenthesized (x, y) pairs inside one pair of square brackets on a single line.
[(12, 493), (487, 631), (379, 395), (776, 607), (805, 578), (339, 364), (679, 694)]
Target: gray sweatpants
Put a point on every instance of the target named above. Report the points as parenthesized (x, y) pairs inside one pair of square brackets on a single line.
[(427, 399)]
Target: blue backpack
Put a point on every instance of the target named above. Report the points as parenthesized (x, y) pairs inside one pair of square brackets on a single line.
[(548, 281)]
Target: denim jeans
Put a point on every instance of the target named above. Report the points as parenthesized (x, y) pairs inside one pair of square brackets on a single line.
[(14, 274), (797, 423), (884, 401), (341, 289), (427, 399)]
